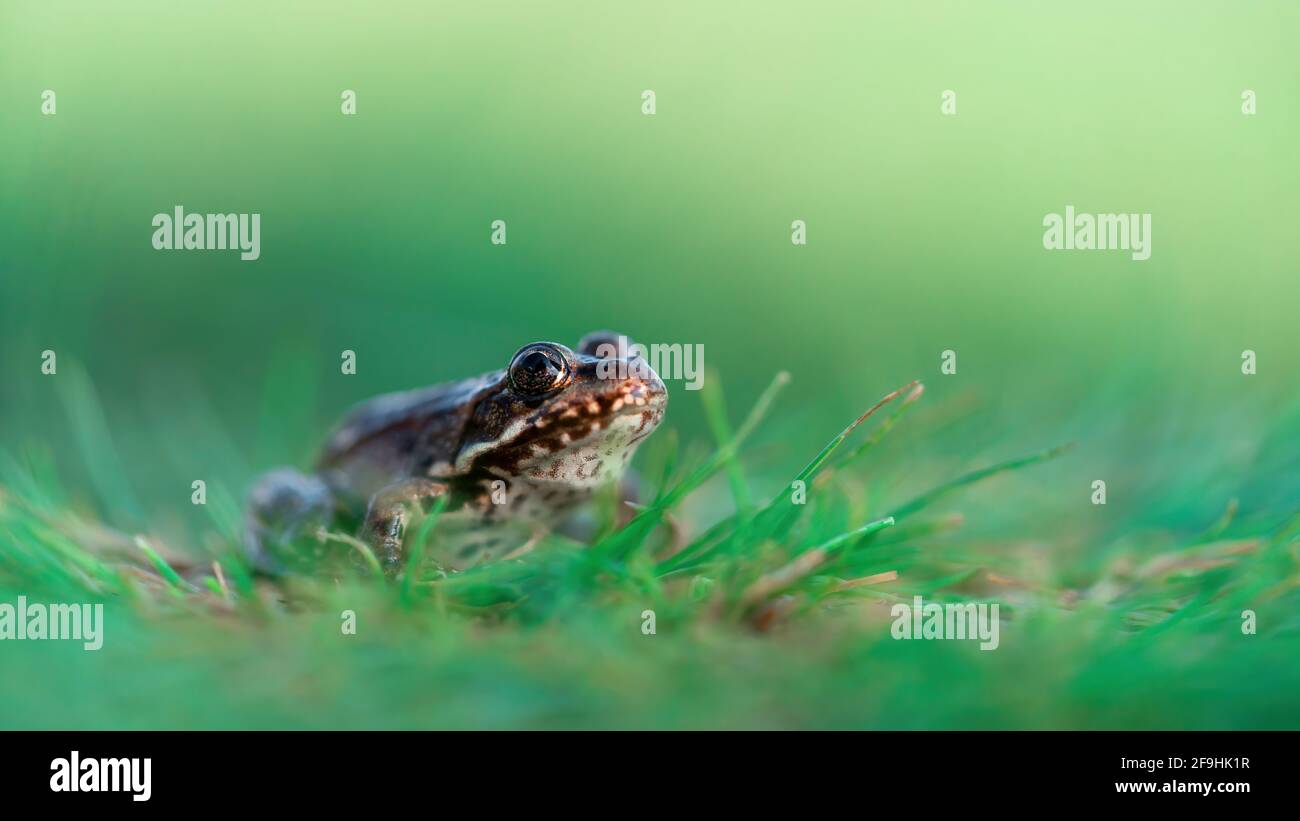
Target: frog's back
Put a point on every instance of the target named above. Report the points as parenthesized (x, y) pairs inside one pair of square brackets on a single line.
[(401, 434)]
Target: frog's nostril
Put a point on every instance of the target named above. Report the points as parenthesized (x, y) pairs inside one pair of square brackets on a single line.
[(648, 390)]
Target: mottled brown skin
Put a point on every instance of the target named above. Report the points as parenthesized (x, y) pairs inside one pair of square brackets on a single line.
[(513, 451)]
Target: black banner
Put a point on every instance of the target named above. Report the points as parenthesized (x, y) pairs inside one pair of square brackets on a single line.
[(301, 770)]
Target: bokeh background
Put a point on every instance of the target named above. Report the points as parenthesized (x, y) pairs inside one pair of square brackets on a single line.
[(924, 234)]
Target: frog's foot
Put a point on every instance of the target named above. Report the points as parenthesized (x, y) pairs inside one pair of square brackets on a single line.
[(282, 506), (391, 511)]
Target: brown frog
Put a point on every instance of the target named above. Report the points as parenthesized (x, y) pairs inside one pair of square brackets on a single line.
[(514, 452)]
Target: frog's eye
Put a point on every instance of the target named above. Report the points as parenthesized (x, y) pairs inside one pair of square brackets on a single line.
[(604, 344), (538, 369)]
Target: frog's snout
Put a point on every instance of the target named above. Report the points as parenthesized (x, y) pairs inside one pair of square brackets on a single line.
[(644, 387)]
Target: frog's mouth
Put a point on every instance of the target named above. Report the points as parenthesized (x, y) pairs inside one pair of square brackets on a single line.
[(595, 422), (584, 451), (592, 415)]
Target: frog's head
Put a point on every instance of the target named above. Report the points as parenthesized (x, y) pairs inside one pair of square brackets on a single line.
[(557, 415)]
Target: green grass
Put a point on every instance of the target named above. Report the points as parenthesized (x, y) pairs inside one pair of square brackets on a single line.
[(772, 614)]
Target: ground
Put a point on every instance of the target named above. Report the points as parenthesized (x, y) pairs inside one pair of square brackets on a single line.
[(775, 614)]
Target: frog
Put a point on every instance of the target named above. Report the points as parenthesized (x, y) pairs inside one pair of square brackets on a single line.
[(507, 456)]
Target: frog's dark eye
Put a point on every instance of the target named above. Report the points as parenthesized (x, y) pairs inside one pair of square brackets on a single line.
[(604, 344), (538, 369)]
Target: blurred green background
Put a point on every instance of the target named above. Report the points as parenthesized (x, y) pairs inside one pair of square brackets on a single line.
[(924, 233)]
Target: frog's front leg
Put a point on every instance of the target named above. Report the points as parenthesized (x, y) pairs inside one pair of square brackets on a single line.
[(391, 511)]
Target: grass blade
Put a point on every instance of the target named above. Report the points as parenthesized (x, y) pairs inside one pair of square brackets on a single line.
[(930, 496)]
